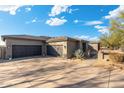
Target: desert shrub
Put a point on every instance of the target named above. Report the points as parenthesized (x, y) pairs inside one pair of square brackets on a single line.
[(79, 54), (116, 57)]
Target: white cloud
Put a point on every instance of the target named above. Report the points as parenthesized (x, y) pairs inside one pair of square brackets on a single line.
[(72, 10), (94, 39), (86, 37), (56, 21), (11, 9), (102, 29), (32, 21), (28, 9), (90, 23), (76, 21), (115, 13), (83, 37), (58, 9)]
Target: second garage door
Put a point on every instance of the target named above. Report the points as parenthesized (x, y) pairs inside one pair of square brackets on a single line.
[(56, 50), (26, 50)]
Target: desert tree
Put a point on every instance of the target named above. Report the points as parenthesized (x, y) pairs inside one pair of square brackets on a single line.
[(114, 39)]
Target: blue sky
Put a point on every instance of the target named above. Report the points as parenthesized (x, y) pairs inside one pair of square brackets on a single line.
[(87, 22)]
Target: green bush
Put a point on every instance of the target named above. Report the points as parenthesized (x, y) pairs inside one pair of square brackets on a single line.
[(116, 57), (79, 54)]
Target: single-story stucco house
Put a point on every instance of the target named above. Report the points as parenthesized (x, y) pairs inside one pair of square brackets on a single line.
[(26, 45)]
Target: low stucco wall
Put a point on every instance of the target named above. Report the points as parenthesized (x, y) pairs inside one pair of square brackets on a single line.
[(10, 42), (103, 55)]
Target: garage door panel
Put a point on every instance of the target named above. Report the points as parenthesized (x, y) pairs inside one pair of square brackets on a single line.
[(55, 50), (26, 50)]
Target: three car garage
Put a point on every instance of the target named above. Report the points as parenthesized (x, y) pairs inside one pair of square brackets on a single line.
[(26, 46)]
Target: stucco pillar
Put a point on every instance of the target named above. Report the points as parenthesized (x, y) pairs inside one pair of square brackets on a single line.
[(44, 49), (100, 56), (65, 55), (9, 52)]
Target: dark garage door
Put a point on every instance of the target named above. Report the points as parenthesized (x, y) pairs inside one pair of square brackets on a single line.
[(55, 50), (26, 50)]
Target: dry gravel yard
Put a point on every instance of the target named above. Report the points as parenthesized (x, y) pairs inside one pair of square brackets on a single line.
[(57, 72)]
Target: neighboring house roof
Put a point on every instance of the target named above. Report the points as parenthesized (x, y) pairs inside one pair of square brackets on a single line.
[(94, 42), (63, 38), (29, 37), (45, 37)]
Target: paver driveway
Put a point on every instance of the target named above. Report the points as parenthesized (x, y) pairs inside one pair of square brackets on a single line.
[(57, 72)]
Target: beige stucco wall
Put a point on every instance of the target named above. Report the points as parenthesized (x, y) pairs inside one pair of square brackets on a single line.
[(71, 47), (102, 56), (10, 42), (63, 43), (74, 45)]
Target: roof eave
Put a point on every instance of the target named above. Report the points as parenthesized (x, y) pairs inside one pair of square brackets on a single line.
[(9, 37)]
